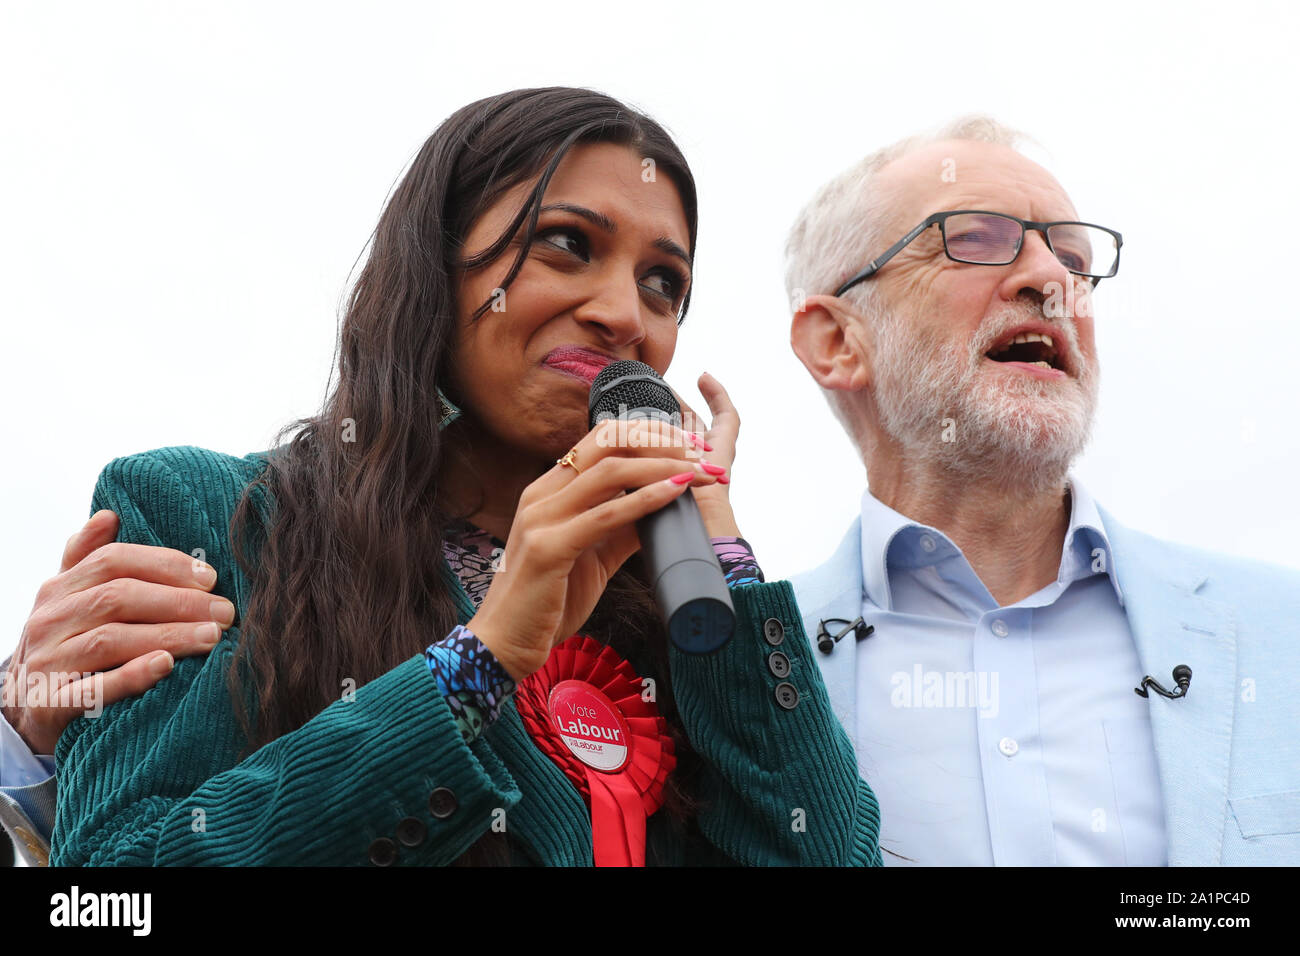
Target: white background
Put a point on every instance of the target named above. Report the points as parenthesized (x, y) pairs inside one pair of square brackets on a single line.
[(184, 189)]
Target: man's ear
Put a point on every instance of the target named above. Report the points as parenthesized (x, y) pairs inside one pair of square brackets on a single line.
[(827, 335)]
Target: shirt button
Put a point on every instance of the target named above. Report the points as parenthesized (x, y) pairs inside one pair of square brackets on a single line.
[(787, 695), (773, 631), (411, 832), (778, 664), (928, 543), (383, 852), (1000, 628), (442, 803), (1008, 746)]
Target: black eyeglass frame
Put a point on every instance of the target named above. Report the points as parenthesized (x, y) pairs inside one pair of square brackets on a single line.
[(942, 217)]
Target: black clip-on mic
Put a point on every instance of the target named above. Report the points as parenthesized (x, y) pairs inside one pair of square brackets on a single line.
[(826, 642), (1182, 677)]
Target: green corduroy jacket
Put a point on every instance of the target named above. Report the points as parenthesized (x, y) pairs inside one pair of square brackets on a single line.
[(158, 779)]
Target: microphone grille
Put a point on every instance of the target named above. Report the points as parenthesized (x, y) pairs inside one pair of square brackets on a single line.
[(628, 385)]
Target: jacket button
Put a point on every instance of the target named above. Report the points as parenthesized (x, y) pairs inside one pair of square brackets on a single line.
[(411, 832), (778, 664), (383, 852), (773, 631), (787, 695), (442, 803)]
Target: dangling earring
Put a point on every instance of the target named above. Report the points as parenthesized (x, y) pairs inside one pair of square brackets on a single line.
[(447, 410)]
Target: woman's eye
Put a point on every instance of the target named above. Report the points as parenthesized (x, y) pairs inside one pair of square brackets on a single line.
[(570, 240), (666, 284), (662, 284)]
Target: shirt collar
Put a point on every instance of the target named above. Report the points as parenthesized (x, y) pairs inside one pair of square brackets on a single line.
[(891, 540), (881, 526), (1087, 547)]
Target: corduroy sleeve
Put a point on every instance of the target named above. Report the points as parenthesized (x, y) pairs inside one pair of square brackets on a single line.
[(157, 779), (783, 785)]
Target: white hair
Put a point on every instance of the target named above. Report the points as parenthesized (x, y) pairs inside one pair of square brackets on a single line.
[(839, 231)]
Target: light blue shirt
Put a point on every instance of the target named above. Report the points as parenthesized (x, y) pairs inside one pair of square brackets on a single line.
[(1003, 735), (27, 795), (19, 767)]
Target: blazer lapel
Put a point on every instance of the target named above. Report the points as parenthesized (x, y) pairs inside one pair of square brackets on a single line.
[(834, 590), (1173, 624)]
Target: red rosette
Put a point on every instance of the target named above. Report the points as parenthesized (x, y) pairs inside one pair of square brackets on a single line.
[(584, 710)]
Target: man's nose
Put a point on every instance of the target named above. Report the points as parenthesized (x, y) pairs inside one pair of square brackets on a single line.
[(1036, 270)]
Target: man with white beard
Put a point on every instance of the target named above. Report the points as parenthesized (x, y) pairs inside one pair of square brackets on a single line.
[(984, 624)]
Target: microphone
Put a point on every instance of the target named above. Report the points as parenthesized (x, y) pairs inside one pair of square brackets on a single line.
[(826, 641), (684, 571), (1182, 680)]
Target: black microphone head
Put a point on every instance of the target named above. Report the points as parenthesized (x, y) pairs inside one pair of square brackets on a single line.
[(824, 642), (629, 389)]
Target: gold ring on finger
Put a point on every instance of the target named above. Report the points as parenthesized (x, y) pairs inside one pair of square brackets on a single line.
[(570, 459)]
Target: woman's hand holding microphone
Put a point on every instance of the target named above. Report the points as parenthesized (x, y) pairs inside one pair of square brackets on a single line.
[(575, 527)]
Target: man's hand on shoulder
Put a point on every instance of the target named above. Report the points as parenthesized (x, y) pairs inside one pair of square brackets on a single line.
[(108, 626)]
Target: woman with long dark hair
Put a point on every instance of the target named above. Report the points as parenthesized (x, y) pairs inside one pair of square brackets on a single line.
[(400, 683)]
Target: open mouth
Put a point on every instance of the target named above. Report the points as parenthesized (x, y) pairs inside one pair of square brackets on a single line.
[(1032, 349)]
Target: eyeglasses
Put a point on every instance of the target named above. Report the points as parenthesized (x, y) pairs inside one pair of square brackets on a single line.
[(994, 239)]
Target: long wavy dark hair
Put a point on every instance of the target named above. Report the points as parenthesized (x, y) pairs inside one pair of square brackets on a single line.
[(347, 574)]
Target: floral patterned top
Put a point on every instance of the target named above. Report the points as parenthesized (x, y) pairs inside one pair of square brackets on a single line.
[(473, 681)]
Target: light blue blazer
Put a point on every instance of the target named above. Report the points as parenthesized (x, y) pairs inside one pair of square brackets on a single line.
[(1229, 752)]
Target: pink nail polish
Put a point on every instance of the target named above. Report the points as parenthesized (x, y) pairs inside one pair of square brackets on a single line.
[(683, 478), (713, 469), (724, 481)]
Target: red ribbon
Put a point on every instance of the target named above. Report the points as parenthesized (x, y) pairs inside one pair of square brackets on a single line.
[(621, 800)]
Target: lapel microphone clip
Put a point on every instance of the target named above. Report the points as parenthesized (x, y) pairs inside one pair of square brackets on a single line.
[(1182, 677), (826, 641)]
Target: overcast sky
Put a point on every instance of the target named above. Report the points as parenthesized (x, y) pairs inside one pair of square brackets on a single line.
[(184, 189)]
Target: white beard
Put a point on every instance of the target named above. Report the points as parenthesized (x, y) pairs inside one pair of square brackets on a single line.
[(948, 405)]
